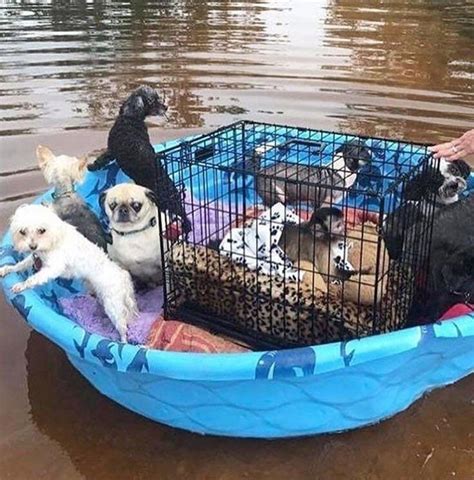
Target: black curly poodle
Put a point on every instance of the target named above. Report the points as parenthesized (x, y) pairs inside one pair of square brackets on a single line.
[(129, 144), (451, 266)]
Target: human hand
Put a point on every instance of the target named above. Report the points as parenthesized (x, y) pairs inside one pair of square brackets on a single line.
[(456, 149)]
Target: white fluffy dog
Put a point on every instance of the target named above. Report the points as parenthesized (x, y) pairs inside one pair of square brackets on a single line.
[(59, 250)]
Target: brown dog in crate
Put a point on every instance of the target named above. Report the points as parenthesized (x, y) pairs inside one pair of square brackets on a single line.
[(352, 261)]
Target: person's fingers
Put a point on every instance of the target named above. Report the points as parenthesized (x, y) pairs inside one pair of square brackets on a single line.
[(452, 155), (455, 149), (468, 135), (440, 146), (467, 144), (446, 146), (461, 154), (444, 152), (449, 150)]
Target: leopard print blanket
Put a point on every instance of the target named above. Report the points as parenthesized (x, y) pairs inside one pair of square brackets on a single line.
[(280, 311)]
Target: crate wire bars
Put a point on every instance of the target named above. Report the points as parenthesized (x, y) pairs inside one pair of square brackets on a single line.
[(225, 175)]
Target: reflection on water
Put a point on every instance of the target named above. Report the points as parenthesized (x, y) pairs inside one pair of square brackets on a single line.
[(416, 61), (104, 441), (397, 68)]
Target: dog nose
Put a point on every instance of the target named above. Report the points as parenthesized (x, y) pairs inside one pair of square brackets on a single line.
[(33, 246), (452, 187), (123, 214)]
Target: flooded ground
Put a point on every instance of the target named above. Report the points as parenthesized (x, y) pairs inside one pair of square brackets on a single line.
[(397, 68)]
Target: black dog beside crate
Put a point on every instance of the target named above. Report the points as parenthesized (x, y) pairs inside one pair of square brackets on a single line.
[(327, 278)]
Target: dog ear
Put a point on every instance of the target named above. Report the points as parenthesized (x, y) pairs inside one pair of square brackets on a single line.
[(316, 224), (134, 106), (320, 215), (316, 218), (152, 197), (23, 205), (422, 184), (341, 148), (83, 161), (463, 168), (102, 197), (43, 155), (145, 91)]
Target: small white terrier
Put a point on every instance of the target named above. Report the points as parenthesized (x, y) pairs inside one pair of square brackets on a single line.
[(64, 172), (61, 251)]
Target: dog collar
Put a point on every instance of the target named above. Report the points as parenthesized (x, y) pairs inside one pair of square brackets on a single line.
[(151, 223), (37, 262), (436, 203), (66, 193), (465, 296)]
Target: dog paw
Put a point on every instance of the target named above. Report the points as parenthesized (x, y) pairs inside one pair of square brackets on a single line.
[(19, 287), (5, 270), (122, 331)]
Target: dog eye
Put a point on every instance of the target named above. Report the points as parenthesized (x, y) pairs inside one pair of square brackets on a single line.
[(41, 231), (136, 206), (112, 205), (23, 232)]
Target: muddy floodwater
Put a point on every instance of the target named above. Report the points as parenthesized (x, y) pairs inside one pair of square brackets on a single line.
[(401, 68)]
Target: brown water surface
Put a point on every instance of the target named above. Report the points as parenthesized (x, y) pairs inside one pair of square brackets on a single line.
[(392, 68)]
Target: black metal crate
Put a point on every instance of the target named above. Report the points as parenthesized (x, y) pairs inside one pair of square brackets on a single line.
[(227, 172)]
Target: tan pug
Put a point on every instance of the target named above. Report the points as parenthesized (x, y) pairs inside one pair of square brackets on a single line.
[(134, 226)]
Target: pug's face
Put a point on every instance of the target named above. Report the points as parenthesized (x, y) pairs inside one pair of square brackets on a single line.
[(129, 206)]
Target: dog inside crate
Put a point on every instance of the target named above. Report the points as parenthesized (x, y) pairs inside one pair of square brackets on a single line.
[(288, 245)]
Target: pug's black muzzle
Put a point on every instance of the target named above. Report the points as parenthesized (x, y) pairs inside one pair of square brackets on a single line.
[(122, 215)]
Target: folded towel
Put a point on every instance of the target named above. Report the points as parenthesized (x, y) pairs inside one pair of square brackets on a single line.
[(149, 328), (177, 336), (256, 246), (87, 312)]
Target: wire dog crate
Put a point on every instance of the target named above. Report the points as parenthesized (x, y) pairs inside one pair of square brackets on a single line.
[(288, 245)]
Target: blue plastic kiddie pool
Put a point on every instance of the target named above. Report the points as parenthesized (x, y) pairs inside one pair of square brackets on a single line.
[(284, 393)]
